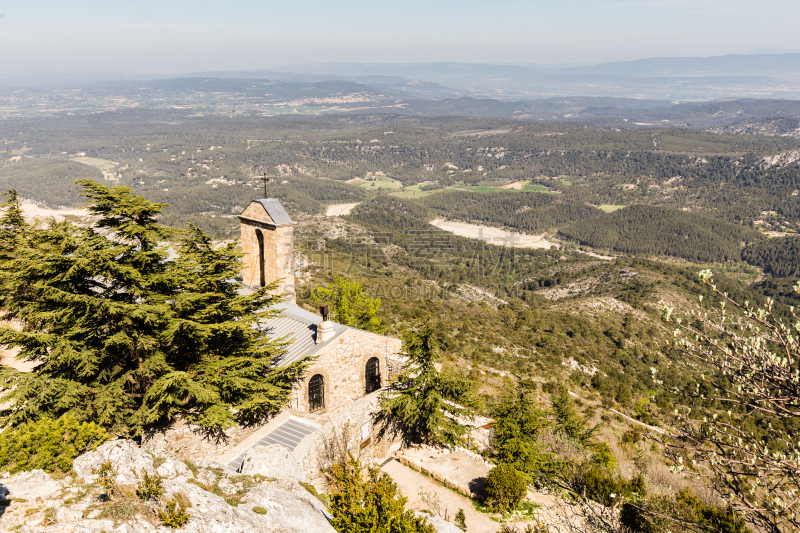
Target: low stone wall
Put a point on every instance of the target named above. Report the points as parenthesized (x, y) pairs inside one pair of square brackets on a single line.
[(458, 468), (461, 489)]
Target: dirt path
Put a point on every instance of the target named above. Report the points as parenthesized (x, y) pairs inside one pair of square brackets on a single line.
[(494, 235), (409, 482), (338, 210)]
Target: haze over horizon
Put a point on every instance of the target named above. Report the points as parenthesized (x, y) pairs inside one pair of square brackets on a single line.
[(145, 38)]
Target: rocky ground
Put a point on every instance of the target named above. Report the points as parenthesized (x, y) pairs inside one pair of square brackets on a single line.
[(268, 497), (270, 494)]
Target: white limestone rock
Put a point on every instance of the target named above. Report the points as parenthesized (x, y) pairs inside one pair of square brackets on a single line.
[(228, 488), (439, 524), (290, 506), (65, 515), (29, 485), (170, 469), (128, 459), (211, 513), (84, 526), (206, 477), (273, 461)]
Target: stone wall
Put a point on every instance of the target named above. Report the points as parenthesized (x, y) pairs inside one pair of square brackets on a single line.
[(350, 421), (342, 363), (278, 256)]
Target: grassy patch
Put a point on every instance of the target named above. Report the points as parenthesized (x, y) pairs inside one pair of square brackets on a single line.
[(125, 505), (412, 194), (381, 182), (101, 164), (535, 188), (608, 208)]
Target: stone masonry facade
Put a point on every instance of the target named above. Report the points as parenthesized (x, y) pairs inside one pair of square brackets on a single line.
[(269, 247), (343, 363)]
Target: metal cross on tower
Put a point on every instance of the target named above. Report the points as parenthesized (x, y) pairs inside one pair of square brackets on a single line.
[(264, 178)]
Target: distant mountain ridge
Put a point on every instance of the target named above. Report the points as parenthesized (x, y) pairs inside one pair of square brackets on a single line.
[(685, 78), (758, 65)]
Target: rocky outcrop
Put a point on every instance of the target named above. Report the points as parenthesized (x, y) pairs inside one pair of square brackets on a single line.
[(290, 505), (273, 461), (76, 507), (439, 524), (126, 457), (29, 486)]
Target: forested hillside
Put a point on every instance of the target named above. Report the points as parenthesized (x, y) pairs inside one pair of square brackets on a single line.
[(524, 211), (206, 166), (50, 181), (657, 231), (779, 257)]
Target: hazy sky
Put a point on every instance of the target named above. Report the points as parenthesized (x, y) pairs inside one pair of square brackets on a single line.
[(132, 37)]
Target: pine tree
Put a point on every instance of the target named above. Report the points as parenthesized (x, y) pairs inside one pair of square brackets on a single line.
[(425, 403), (12, 211), (518, 422), (12, 223), (350, 305), (568, 421), (128, 337)]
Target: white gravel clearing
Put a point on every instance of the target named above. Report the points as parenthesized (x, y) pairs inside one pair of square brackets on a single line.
[(497, 236)]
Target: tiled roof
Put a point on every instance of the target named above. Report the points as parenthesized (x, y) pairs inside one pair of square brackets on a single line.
[(301, 327), (276, 211)]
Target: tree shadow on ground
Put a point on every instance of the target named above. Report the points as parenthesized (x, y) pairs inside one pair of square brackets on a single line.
[(476, 487)]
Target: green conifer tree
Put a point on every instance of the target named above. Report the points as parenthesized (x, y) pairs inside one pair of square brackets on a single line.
[(12, 222), (12, 211), (518, 422), (425, 403), (125, 335)]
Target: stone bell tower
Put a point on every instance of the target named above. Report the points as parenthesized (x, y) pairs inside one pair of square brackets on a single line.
[(268, 245)]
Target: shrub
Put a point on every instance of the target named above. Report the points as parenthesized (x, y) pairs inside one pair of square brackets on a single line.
[(124, 506), (461, 520), (107, 478), (50, 516), (364, 504), (632, 436), (259, 510), (505, 488), (606, 489), (603, 457), (174, 515), (150, 487), (48, 444)]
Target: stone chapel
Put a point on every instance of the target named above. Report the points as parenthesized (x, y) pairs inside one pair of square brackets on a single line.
[(348, 363)]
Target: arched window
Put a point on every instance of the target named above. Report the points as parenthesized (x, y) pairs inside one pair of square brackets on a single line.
[(260, 237), (316, 393), (373, 375)]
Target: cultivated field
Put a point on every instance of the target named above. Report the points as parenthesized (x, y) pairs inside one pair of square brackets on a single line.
[(101, 164)]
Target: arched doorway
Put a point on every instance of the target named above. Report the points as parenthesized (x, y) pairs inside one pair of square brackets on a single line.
[(316, 393), (260, 237), (372, 376)]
